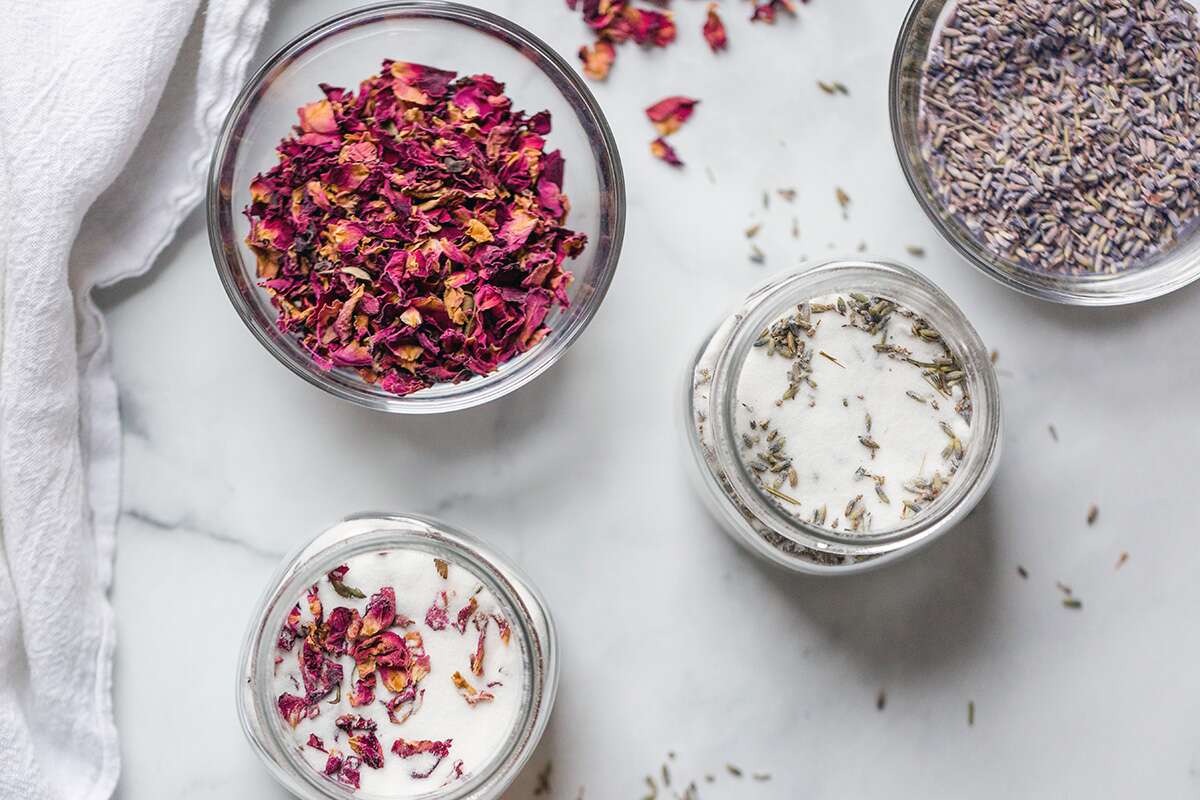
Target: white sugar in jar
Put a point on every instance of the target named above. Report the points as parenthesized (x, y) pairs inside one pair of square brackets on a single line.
[(842, 416)]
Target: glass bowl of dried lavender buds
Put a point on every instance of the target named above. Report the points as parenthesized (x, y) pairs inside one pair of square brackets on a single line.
[(416, 206), (1056, 143)]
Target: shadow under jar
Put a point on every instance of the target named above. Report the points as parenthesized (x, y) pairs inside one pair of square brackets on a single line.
[(842, 417), (345, 50), (1113, 279), (396, 657)]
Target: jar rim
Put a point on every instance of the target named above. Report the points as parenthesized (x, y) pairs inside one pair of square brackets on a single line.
[(763, 306), (373, 532)]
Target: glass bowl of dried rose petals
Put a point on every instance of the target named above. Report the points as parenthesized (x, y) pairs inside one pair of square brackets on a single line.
[(1054, 144), (395, 656), (417, 206)]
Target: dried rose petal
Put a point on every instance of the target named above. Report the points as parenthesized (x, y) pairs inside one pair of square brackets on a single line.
[(291, 630), (315, 742), (380, 614), (598, 59), (767, 10), (615, 22), (418, 659), (292, 708), (344, 770), (505, 628), (408, 749), (661, 150), (314, 604), (714, 30), (409, 700), (337, 628), (472, 695), (481, 624), (464, 615), (368, 652), (443, 567), (668, 115), (349, 723), (363, 692), (367, 747), (320, 674), (436, 617), (414, 231)]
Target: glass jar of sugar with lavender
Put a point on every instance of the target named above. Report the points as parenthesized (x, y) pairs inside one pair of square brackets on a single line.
[(397, 657), (842, 417)]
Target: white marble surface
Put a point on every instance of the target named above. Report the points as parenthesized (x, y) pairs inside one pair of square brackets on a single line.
[(672, 637)]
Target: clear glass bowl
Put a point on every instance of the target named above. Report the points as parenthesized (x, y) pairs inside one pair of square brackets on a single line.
[(346, 49), (1164, 272), (725, 483), (365, 533)]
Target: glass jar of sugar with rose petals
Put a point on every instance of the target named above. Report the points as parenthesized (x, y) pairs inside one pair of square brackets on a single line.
[(842, 417), (397, 657)]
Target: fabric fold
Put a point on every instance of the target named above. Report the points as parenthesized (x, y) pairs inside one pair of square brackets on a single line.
[(103, 148)]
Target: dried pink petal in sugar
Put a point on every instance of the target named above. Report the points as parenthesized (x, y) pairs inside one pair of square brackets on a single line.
[(464, 615), (410, 749), (472, 695), (404, 705), (367, 747), (292, 708), (436, 617), (291, 630)]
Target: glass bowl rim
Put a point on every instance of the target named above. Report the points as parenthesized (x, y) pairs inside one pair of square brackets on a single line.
[(604, 153), (1154, 280)]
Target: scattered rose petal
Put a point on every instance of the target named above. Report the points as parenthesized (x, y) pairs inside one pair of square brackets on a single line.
[(668, 115), (598, 59), (714, 30), (768, 10), (663, 151)]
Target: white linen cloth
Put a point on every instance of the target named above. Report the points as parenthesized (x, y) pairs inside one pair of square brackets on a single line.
[(100, 160)]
